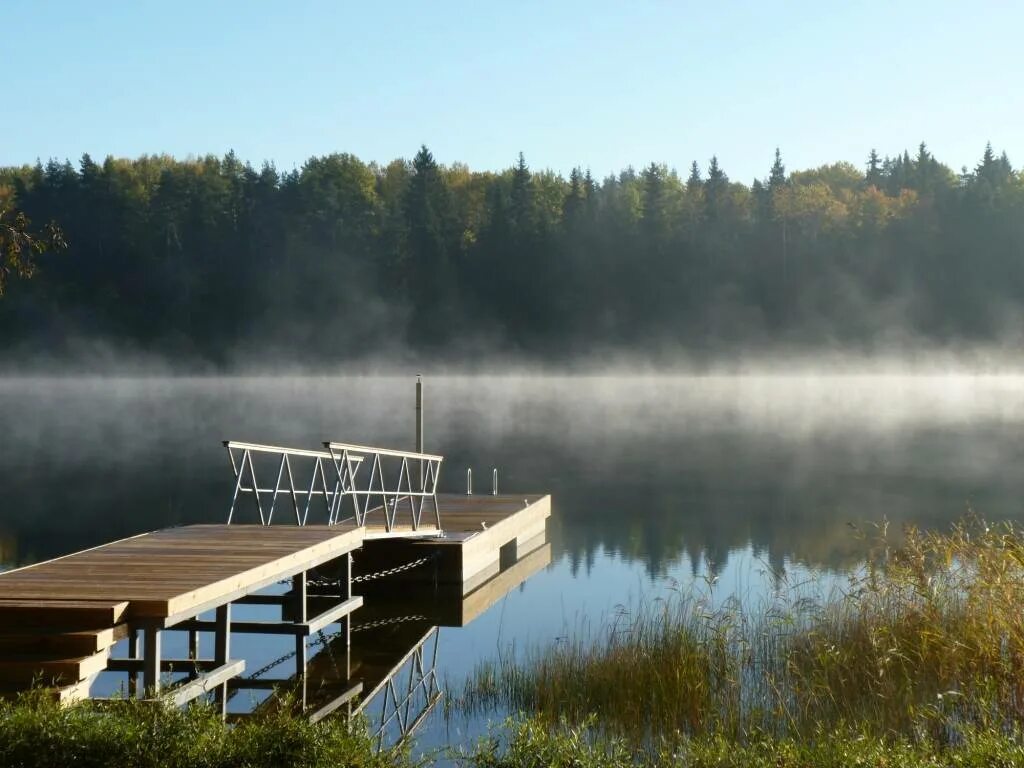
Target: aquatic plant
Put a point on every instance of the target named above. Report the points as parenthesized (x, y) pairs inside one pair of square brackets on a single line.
[(925, 640), (534, 743)]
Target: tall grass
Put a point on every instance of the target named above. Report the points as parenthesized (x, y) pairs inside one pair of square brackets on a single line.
[(531, 743), (926, 640)]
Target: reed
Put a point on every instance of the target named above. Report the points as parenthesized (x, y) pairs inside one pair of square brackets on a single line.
[(531, 743), (926, 640)]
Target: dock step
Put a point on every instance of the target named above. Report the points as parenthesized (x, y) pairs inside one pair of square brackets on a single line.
[(60, 643), (46, 670), (81, 614), (62, 694)]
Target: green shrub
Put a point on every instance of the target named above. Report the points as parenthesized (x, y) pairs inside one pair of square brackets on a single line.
[(36, 732)]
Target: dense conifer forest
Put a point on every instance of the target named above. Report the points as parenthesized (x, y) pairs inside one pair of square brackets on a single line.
[(212, 259)]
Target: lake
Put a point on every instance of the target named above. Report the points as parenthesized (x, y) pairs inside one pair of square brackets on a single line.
[(658, 481)]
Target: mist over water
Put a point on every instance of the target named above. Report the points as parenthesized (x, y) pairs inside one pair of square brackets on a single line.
[(647, 465)]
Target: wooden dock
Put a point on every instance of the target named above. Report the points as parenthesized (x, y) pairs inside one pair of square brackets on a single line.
[(61, 619), (159, 581)]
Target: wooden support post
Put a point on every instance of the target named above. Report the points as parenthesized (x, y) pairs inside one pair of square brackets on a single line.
[(134, 652), (300, 608), (346, 593), (193, 651), (299, 611), (222, 651), (151, 659)]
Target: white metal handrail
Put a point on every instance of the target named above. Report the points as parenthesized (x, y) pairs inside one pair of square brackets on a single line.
[(324, 480), (390, 485)]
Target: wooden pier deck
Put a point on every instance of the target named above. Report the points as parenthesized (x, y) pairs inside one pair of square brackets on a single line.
[(157, 581), (61, 619), (169, 575)]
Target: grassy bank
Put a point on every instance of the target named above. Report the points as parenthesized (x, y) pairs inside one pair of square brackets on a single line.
[(926, 643), (532, 743), (35, 732)]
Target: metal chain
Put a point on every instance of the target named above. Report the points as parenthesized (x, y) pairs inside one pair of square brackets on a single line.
[(320, 639), (387, 622), (276, 662), (392, 571)]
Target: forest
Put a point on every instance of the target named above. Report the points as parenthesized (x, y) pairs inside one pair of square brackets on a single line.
[(215, 261)]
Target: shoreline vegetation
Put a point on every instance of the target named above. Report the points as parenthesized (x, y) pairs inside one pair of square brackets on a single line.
[(917, 661), (920, 657)]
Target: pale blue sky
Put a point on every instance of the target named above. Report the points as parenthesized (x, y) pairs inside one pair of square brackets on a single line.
[(599, 84)]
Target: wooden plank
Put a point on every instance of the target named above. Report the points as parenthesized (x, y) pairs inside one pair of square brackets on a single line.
[(182, 695), (344, 698), (29, 668), (15, 640), (25, 612)]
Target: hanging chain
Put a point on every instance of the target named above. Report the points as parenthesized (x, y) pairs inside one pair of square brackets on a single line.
[(397, 569), (388, 622)]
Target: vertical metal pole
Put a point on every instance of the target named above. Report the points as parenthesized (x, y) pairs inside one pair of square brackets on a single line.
[(419, 425), (469, 481), (494, 482), (151, 661), (222, 651)]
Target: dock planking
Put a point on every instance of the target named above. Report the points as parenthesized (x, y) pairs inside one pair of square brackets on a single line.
[(172, 572)]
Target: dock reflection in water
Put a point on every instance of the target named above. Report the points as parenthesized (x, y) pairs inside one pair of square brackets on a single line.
[(385, 669)]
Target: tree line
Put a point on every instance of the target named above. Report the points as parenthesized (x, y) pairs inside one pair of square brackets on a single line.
[(215, 259)]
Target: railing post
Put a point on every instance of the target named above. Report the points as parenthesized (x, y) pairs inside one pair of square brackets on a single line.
[(419, 426), (469, 481)]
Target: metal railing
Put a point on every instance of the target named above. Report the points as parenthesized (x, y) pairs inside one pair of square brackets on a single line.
[(387, 490), (390, 486), (318, 466), (406, 699)]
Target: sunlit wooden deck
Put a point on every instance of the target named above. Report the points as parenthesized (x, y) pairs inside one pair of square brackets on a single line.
[(178, 572), (59, 619)]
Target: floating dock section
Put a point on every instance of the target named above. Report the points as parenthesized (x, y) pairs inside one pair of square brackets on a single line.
[(481, 536)]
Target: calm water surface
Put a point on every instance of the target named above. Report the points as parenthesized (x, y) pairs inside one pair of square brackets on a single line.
[(657, 480)]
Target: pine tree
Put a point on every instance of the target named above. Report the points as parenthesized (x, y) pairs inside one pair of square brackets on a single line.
[(694, 180), (574, 200), (715, 187), (777, 176), (873, 177), (522, 196)]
